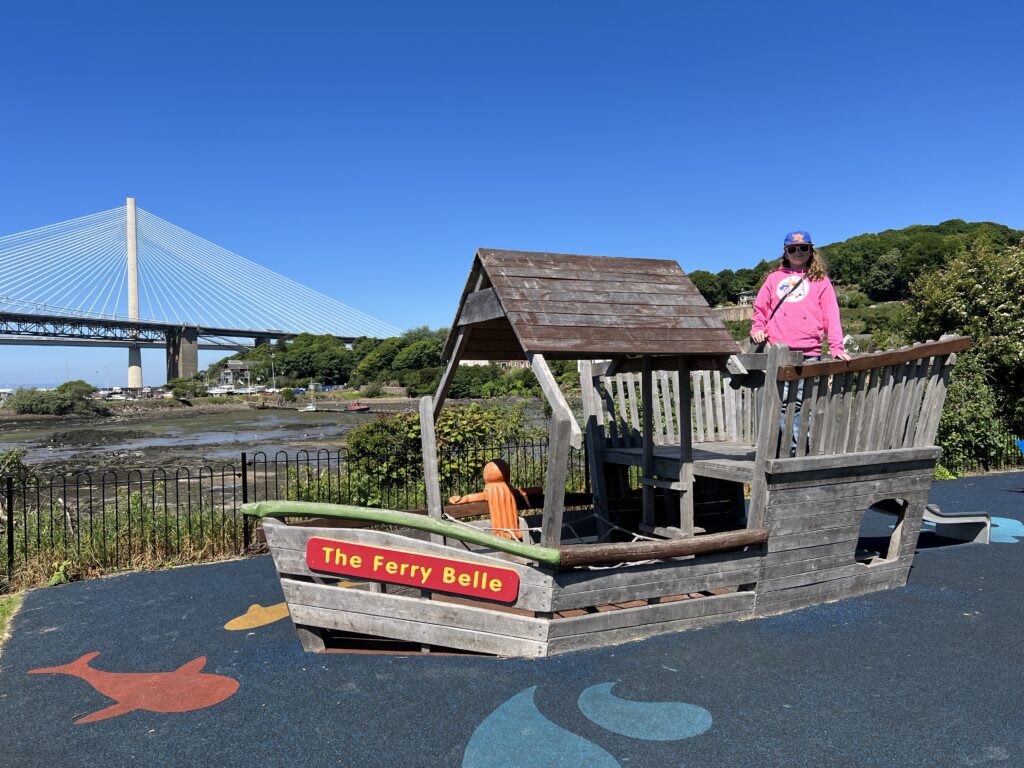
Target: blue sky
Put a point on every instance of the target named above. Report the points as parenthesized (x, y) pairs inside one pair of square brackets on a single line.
[(367, 149)]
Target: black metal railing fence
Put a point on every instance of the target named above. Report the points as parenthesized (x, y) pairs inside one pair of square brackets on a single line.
[(67, 526)]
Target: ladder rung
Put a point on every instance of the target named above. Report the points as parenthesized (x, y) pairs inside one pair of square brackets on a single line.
[(672, 485)]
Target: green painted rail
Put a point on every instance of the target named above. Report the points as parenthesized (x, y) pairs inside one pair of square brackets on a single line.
[(406, 519)]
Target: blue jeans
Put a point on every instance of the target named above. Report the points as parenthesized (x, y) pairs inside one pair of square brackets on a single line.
[(798, 408)]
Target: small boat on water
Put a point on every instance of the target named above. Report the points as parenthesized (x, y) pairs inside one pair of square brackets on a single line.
[(310, 406), (356, 408)]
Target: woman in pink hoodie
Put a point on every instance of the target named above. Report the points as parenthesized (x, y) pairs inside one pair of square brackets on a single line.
[(797, 306)]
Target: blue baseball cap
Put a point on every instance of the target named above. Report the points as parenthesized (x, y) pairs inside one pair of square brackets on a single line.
[(797, 238)]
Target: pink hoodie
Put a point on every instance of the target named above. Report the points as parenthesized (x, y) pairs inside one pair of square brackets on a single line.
[(806, 316)]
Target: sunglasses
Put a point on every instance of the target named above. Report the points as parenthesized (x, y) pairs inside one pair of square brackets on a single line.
[(795, 248)]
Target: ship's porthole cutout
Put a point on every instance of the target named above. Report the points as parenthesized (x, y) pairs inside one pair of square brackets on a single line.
[(881, 530)]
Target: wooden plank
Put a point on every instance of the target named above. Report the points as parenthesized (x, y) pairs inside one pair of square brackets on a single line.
[(477, 617), (631, 398), (428, 443), (786, 439), (618, 333), (933, 405), (665, 389), (876, 425), (844, 415), (868, 408), (716, 398), (889, 459), (643, 616), (418, 632), (559, 441), (673, 580), (699, 427), (587, 347), (515, 274), (637, 295), (806, 416), (623, 410), (819, 403), (598, 312), (916, 402), (829, 488), (608, 398), (480, 306), (856, 412), (836, 589), (658, 434), (616, 636), (876, 359), (768, 430), (829, 575), (577, 286), (689, 318), (497, 257), (555, 398)]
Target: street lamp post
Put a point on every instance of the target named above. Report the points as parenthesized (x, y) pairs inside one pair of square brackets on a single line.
[(273, 374)]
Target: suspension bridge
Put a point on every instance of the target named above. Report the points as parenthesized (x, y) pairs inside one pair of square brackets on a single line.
[(128, 278)]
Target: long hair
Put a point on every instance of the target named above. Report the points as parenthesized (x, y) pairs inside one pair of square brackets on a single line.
[(816, 267)]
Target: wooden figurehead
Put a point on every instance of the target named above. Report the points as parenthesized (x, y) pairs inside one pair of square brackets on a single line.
[(500, 498)]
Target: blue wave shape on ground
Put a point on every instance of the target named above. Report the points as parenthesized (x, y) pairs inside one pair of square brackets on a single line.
[(648, 720), (517, 735), (1006, 530)]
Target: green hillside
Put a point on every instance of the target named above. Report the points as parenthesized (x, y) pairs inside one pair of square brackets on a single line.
[(883, 266)]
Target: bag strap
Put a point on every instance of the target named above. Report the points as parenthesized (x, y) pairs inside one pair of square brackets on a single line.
[(783, 299)]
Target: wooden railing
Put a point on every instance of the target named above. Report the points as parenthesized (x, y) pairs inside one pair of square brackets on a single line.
[(875, 402)]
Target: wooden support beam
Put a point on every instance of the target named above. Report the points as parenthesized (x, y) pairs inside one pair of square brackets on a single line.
[(555, 397), (646, 393), (685, 448), (625, 552), (428, 442), (453, 365), (767, 436), (554, 493), (593, 418)]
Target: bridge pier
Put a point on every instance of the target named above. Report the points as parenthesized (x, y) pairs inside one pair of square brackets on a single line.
[(261, 340), (182, 353)]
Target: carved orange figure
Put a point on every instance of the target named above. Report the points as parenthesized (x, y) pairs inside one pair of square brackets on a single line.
[(500, 498)]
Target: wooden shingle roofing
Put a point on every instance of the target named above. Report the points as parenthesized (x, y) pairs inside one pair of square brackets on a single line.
[(582, 307)]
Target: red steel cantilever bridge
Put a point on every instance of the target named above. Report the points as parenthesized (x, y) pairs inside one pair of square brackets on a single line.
[(127, 278)]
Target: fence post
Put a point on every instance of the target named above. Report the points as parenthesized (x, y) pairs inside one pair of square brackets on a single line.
[(245, 500), (9, 500)]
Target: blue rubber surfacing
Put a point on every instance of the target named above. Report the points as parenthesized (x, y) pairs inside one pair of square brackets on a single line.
[(927, 675)]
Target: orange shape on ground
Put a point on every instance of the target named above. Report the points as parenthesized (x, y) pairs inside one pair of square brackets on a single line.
[(258, 616), (185, 689)]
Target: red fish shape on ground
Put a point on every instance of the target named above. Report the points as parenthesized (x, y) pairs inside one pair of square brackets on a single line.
[(185, 689)]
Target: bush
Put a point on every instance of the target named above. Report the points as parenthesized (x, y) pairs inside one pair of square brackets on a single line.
[(970, 432), (54, 403)]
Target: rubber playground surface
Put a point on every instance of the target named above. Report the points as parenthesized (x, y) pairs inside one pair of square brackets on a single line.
[(927, 675)]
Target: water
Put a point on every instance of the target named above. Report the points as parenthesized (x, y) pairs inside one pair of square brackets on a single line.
[(200, 435)]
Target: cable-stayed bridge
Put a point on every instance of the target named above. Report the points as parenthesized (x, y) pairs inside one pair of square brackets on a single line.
[(127, 278)]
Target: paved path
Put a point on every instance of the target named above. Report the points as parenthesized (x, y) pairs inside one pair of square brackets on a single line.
[(928, 675)]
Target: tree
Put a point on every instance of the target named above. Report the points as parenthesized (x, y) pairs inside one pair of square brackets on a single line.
[(981, 294), (709, 285)]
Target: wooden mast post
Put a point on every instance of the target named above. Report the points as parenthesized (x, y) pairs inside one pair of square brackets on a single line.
[(647, 467), (685, 449)]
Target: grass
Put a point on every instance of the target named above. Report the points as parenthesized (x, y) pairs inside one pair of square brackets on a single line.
[(8, 607)]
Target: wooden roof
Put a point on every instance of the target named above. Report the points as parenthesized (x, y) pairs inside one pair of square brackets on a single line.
[(582, 307)]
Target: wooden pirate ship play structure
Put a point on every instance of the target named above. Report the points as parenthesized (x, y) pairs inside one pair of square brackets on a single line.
[(677, 424)]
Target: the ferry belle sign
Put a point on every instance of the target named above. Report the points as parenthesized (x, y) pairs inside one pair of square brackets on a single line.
[(396, 566)]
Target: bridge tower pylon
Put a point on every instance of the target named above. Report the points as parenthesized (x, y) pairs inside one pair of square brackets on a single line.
[(134, 352)]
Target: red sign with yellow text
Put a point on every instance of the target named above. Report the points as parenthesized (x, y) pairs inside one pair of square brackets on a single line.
[(396, 566)]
